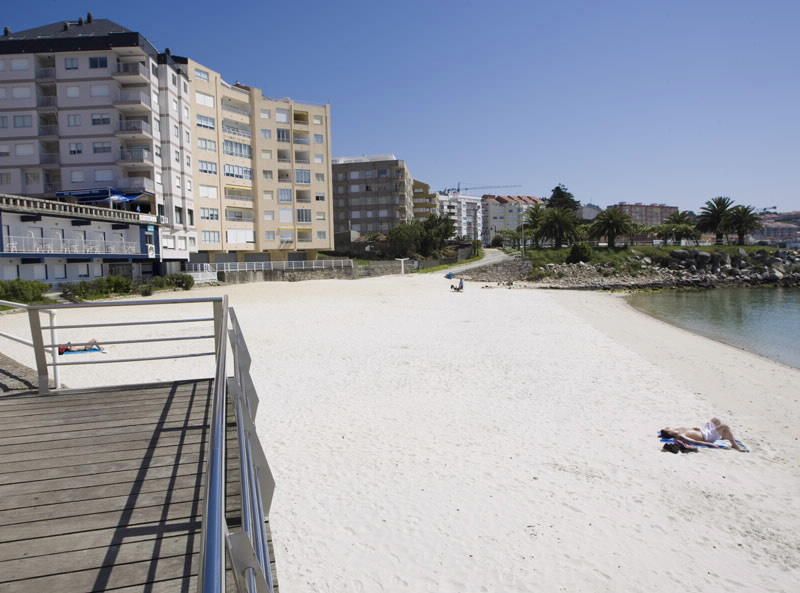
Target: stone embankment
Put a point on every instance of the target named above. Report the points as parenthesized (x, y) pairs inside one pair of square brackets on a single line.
[(682, 268)]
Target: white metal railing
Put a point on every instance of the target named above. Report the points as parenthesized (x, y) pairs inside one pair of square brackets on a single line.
[(136, 155), (268, 266), (40, 206), (132, 68), (231, 108), (236, 131), (58, 245), (136, 183), (53, 351), (134, 125), (133, 98)]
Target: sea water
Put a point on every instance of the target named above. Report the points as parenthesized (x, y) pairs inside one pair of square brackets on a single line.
[(763, 320)]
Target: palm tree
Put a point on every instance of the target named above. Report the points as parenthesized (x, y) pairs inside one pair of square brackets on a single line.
[(558, 225), (743, 220), (714, 217), (611, 223), (533, 220), (680, 217)]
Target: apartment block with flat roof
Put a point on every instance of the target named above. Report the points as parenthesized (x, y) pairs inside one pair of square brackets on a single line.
[(372, 194), (426, 202), (647, 214), (504, 213), (465, 211), (91, 112), (263, 172)]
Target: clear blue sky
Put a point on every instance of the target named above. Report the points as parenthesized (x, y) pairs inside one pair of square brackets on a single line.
[(634, 100)]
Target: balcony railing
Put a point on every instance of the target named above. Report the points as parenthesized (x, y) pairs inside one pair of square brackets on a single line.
[(136, 183), (135, 125), (49, 130), (232, 109), (238, 218), (302, 139), (45, 73), (48, 158), (136, 155), (70, 246), (237, 131), (132, 68), (133, 98), (47, 100)]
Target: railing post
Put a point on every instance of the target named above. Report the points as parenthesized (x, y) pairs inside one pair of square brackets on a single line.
[(38, 350), (54, 349)]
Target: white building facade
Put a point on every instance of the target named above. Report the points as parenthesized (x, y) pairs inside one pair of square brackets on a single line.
[(465, 211), (504, 213)]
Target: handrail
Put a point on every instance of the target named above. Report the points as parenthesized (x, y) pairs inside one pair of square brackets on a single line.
[(214, 527), (269, 266), (34, 342)]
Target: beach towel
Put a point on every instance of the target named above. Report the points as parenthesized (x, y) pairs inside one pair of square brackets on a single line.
[(720, 444), (89, 351)]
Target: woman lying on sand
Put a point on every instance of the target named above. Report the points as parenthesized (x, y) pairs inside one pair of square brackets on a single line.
[(711, 431)]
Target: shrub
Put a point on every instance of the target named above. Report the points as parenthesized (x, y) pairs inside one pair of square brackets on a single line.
[(579, 252), (184, 281), (145, 290), (22, 291), (497, 241)]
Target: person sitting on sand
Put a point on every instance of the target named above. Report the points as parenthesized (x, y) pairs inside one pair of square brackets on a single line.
[(711, 431)]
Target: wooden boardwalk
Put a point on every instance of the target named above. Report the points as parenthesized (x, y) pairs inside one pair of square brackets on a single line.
[(104, 490)]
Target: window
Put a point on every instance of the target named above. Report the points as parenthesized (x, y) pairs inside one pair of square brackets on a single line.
[(269, 195), (76, 148), (265, 114), (302, 176), (73, 92), (320, 216), (322, 235), (320, 197), (284, 195), (100, 147), (317, 120), (70, 63), (284, 135), (101, 119), (98, 90), (319, 159), (267, 174), (355, 188), (188, 161), (175, 105), (73, 120), (206, 144), (157, 125), (266, 133), (238, 172), (76, 176), (23, 149), (266, 155), (209, 213), (286, 215), (201, 74), (354, 175), (158, 182), (32, 177), (240, 236), (269, 235), (208, 167), (178, 156), (19, 64), (355, 214), (319, 139), (178, 215), (208, 191), (21, 92), (204, 99), (203, 121), (174, 79), (269, 215), (5, 178), (185, 112), (303, 215), (187, 137), (98, 62), (83, 270), (3, 121), (282, 116), (23, 121), (383, 213), (176, 132), (103, 175), (210, 236), (287, 236), (5, 150), (237, 149)]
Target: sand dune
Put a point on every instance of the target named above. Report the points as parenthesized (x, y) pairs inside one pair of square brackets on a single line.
[(504, 440)]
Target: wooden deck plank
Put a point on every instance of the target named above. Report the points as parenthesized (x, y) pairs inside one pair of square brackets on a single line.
[(102, 491)]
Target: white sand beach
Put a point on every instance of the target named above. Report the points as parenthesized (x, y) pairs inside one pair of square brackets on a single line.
[(503, 440)]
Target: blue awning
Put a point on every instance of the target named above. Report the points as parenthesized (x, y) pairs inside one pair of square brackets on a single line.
[(100, 195)]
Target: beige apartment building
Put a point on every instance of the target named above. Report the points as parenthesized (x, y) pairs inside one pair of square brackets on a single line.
[(647, 214), (262, 169), (426, 202)]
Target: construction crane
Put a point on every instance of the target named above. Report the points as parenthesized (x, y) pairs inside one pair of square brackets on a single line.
[(458, 188)]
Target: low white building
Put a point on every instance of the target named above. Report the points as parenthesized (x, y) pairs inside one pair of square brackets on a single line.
[(504, 213), (465, 212), (58, 242)]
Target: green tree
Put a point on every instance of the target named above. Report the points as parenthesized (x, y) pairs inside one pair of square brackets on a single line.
[(405, 239), (714, 217), (561, 198), (533, 221), (743, 220), (680, 217), (559, 225), (611, 223)]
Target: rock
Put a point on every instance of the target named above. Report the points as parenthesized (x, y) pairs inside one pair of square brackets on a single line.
[(742, 252), (702, 258), (646, 260), (775, 275), (679, 254)]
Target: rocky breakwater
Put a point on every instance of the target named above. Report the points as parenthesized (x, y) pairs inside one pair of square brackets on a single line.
[(677, 268)]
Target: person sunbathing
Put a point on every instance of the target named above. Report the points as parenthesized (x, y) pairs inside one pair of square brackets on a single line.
[(711, 431)]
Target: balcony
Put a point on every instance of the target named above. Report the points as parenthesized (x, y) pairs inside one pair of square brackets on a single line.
[(47, 101), (48, 130), (135, 127), (302, 139), (144, 184), (45, 73), (238, 194), (133, 101), (136, 156), (131, 72), (236, 131), (70, 246), (48, 158), (231, 108)]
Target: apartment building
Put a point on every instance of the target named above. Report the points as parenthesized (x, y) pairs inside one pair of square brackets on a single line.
[(263, 172), (646, 214), (58, 242), (465, 211), (91, 112), (504, 213), (426, 202), (372, 193)]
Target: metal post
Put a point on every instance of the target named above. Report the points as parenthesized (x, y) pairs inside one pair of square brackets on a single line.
[(38, 350), (54, 349)]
